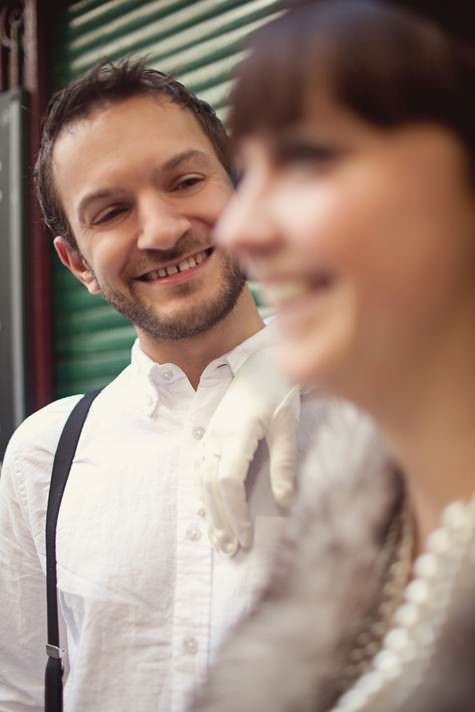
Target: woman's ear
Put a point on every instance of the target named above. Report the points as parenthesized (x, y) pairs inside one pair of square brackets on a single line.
[(75, 262)]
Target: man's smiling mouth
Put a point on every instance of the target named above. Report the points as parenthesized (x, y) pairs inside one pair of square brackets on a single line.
[(183, 265)]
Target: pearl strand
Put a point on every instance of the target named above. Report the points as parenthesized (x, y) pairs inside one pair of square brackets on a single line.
[(395, 569), (409, 644)]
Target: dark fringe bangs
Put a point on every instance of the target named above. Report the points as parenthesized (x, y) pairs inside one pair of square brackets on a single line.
[(386, 65), (271, 88)]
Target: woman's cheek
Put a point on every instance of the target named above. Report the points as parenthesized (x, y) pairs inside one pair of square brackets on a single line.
[(307, 215)]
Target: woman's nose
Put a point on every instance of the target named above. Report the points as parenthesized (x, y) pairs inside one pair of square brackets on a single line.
[(246, 226)]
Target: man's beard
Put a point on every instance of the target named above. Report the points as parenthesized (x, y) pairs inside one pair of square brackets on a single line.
[(195, 320)]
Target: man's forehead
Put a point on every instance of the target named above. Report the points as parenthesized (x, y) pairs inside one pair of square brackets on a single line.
[(117, 126), (147, 111), (117, 129)]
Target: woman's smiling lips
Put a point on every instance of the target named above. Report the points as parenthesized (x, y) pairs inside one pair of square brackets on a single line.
[(280, 293), (181, 271)]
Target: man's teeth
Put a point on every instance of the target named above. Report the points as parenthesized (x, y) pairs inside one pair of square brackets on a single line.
[(182, 266), (276, 294)]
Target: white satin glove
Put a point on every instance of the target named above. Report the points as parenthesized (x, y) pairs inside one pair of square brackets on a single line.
[(258, 404)]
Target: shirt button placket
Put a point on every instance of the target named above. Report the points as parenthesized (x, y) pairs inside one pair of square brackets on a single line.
[(190, 645), (198, 432), (193, 533)]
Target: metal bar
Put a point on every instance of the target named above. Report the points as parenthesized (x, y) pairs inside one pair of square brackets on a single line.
[(16, 263)]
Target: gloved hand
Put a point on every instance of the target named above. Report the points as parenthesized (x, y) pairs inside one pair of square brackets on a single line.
[(258, 404)]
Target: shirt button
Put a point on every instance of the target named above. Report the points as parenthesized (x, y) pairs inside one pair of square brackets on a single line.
[(193, 533), (167, 374), (190, 646), (198, 432)]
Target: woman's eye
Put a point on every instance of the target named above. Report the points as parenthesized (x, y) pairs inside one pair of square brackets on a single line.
[(108, 215), (237, 176), (187, 182), (307, 154)]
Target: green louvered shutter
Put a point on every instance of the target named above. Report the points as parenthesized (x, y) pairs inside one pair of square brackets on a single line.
[(199, 42)]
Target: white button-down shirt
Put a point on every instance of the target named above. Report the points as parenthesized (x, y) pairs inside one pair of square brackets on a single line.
[(144, 601)]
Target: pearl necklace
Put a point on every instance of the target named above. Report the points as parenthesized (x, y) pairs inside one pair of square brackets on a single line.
[(394, 570), (408, 645)]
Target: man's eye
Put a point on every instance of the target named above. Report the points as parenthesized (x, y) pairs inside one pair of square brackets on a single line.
[(108, 215), (187, 182)]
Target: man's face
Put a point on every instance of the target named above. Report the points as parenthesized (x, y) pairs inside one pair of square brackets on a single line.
[(142, 189)]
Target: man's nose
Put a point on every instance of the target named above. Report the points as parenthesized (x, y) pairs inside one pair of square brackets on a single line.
[(161, 225)]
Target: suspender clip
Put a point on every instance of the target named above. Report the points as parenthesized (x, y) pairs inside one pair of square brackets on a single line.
[(52, 651)]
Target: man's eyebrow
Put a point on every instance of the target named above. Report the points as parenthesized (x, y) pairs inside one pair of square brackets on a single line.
[(199, 158), (93, 197), (192, 154)]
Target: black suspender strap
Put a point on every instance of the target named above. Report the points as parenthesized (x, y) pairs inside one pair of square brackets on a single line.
[(61, 466)]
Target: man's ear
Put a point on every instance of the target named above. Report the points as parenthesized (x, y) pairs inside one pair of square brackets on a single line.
[(75, 262)]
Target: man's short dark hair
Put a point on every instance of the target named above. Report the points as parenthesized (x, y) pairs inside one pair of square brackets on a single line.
[(104, 84)]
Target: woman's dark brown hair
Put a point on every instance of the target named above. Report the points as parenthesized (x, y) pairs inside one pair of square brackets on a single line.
[(380, 60)]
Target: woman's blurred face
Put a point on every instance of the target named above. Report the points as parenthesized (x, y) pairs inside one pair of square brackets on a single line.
[(365, 240)]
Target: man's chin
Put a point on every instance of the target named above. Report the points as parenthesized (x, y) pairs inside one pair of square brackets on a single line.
[(179, 323)]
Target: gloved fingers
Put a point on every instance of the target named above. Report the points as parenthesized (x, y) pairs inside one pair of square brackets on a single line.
[(223, 479), (206, 470), (282, 441), (232, 476), (291, 403), (220, 532)]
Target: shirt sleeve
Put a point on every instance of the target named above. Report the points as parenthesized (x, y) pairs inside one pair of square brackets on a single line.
[(22, 598)]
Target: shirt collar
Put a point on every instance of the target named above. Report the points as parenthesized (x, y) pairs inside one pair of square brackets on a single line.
[(155, 373), (262, 339), (152, 376)]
